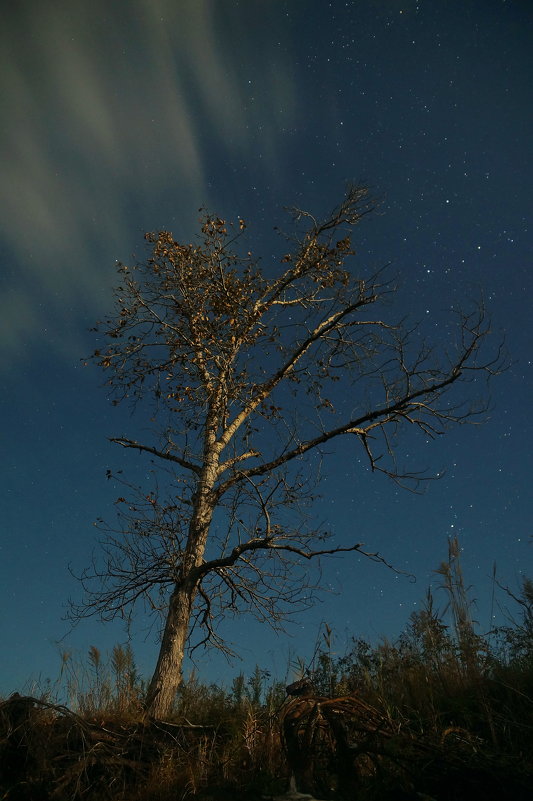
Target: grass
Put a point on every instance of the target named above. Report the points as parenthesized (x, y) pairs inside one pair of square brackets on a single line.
[(440, 713)]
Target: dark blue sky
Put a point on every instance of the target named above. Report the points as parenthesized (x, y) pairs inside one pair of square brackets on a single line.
[(124, 117)]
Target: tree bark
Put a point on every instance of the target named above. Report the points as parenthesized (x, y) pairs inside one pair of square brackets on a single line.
[(167, 676)]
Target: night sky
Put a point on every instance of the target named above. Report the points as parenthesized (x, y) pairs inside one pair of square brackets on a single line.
[(125, 117)]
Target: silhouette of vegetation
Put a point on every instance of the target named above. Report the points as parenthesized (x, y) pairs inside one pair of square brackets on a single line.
[(442, 712)]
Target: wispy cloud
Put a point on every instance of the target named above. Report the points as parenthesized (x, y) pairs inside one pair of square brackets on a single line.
[(106, 107)]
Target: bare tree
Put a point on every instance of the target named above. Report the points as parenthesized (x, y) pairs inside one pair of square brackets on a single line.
[(236, 368)]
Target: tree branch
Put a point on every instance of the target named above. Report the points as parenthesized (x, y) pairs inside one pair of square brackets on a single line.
[(263, 390), (356, 426), (170, 457)]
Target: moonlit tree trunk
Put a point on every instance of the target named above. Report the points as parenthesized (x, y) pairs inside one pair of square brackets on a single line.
[(167, 676), (234, 370)]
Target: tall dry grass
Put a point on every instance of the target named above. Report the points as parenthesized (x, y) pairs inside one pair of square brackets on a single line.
[(440, 688)]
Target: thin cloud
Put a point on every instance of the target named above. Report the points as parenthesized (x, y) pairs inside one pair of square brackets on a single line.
[(108, 107)]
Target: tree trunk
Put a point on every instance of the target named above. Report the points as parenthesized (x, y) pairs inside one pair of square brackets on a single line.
[(168, 672)]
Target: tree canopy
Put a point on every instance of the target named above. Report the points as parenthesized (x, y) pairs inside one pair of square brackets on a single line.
[(245, 371)]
